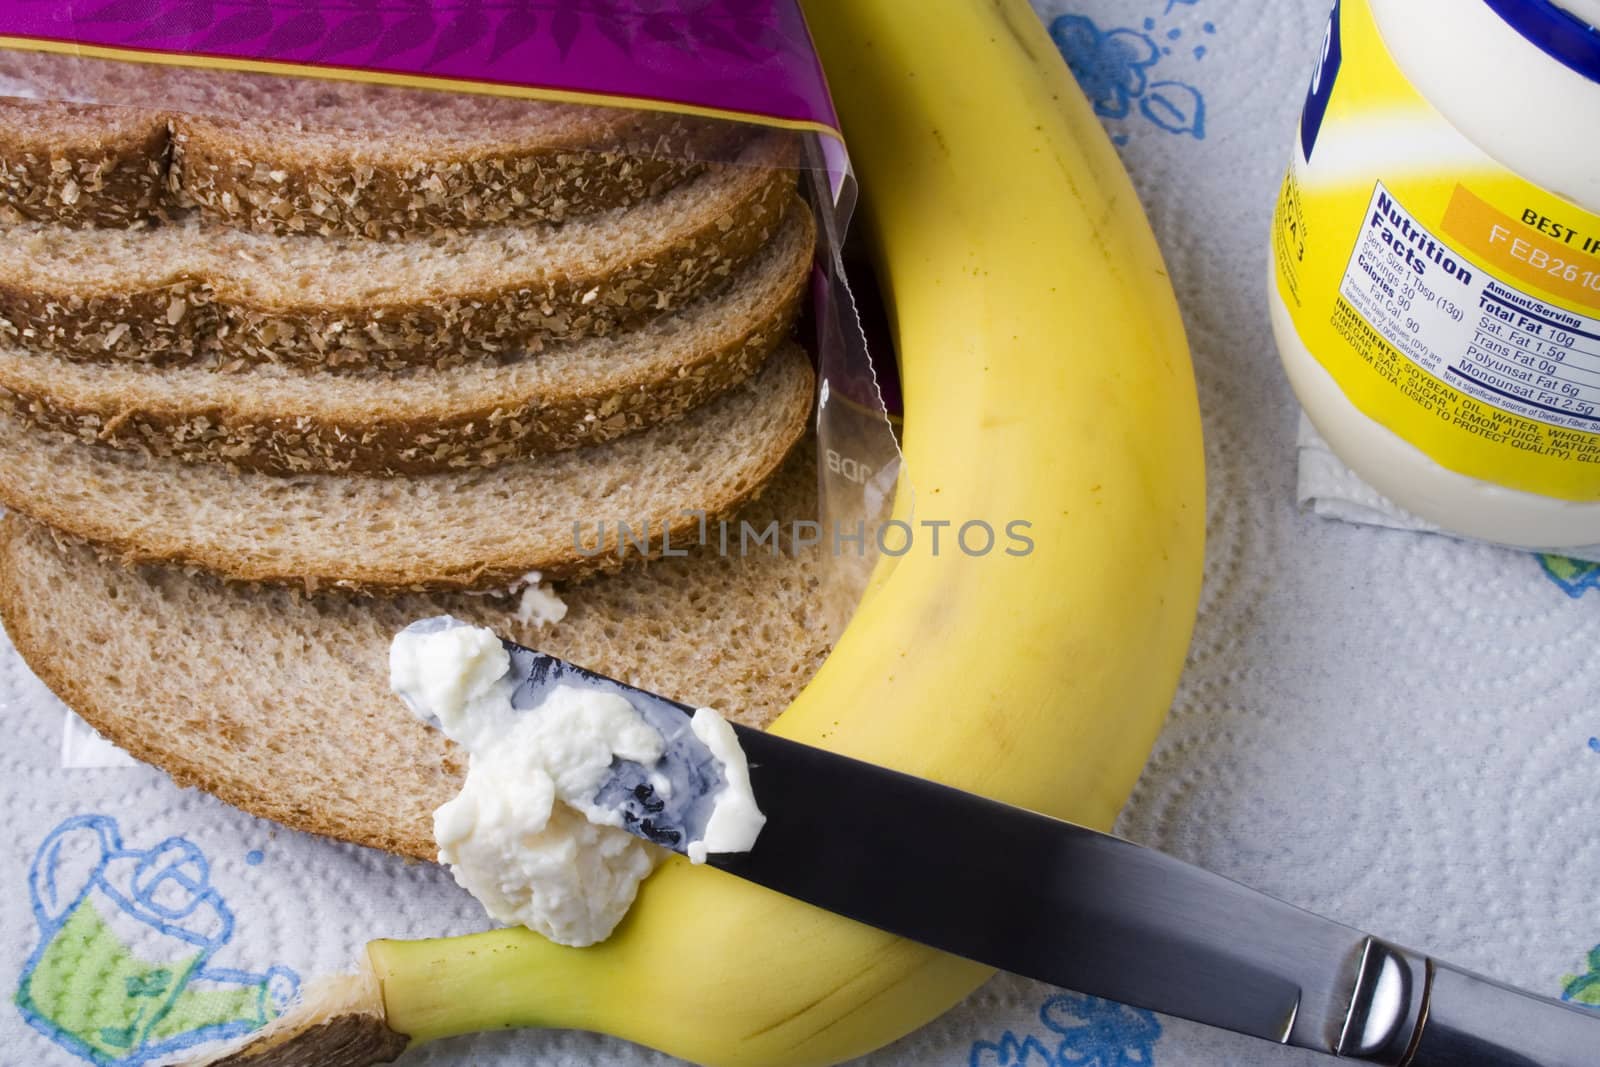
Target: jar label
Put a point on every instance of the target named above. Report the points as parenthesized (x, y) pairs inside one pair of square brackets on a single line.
[(1453, 302)]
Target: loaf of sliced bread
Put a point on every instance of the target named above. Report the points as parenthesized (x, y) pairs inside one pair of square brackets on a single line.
[(278, 703), (188, 289), (279, 420), (112, 143), (481, 528)]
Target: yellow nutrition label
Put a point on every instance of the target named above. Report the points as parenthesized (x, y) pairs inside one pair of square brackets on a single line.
[(1500, 345), (1451, 301)]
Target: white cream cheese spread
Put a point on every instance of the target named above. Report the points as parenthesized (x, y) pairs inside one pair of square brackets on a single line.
[(735, 821), (523, 835), (539, 605), (519, 836)]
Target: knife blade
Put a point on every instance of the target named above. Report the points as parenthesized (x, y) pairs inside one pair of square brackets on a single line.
[(1071, 906)]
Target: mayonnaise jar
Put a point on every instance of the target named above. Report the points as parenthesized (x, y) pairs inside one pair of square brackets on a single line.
[(1435, 280)]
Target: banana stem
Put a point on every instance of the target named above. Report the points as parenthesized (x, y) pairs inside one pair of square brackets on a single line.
[(491, 981)]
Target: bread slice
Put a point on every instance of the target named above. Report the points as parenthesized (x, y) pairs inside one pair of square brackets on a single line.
[(293, 155), (473, 529), (178, 291), (282, 421), (278, 702)]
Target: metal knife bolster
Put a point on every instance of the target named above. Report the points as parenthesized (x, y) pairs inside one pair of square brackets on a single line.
[(1387, 1005), (1412, 1011)]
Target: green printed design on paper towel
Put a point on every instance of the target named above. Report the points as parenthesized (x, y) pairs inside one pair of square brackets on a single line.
[(123, 972), (1584, 988), (93, 986), (1572, 576)]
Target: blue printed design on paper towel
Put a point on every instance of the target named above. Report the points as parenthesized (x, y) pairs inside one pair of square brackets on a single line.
[(121, 975), (1116, 69), (1084, 1032), (1573, 577)]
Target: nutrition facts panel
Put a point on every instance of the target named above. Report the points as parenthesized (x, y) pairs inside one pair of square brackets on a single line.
[(1487, 339)]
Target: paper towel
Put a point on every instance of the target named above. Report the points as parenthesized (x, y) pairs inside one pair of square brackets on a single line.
[(1334, 491), (1390, 728)]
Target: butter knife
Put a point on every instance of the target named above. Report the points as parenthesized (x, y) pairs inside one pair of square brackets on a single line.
[(1071, 906)]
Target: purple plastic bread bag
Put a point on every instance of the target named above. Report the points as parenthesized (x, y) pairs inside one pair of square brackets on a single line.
[(746, 58)]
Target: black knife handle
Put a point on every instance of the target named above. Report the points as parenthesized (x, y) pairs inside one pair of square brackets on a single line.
[(1472, 1021)]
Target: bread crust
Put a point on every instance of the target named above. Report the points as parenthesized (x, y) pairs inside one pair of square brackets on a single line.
[(170, 323), (203, 307), (124, 166), (239, 174), (382, 434), (35, 481), (115, 175)]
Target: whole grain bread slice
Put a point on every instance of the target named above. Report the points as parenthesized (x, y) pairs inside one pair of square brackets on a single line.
[(109, 143), (282, 421), (278, 703), (188, 289), (562, 514)]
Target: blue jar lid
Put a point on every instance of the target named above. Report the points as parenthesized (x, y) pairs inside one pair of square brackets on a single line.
[(1560, 34)]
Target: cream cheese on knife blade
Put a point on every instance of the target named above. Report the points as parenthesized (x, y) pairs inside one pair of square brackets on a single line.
[(523, 836)]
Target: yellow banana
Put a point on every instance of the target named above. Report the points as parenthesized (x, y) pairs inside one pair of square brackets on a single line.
[(1046, 379)]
